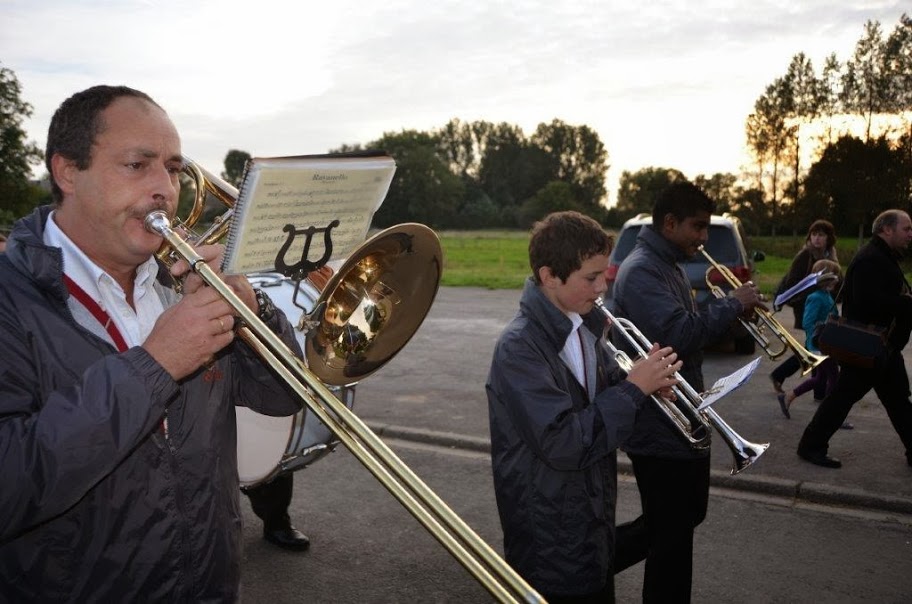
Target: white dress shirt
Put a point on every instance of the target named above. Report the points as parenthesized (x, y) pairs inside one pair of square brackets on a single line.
[(134, 325), (572, 353)]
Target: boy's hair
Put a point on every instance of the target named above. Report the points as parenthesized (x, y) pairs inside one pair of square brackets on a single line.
[(830, 266), (563, 240), (825, 227), (682, 199), (77, 122)]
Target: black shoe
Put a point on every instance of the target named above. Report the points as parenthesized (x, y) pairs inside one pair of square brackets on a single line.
[(287, 538), (820, 459)]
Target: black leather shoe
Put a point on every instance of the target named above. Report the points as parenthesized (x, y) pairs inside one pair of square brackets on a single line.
[(820, 459), (287, 538)]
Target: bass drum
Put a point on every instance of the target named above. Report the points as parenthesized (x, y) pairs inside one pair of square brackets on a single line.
[(266, 445)]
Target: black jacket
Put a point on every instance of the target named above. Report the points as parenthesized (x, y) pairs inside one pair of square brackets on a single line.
[(96, 505), (553, 451), (875, 291)]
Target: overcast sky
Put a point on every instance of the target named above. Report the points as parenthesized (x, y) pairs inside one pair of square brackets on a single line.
[(663, 82)]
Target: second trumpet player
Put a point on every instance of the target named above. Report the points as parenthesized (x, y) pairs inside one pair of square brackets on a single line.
[(654, 293)]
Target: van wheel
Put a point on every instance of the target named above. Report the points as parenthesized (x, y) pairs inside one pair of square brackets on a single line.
[(745, 345)]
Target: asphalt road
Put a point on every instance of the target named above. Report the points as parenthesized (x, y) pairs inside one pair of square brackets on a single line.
[(782, 531)]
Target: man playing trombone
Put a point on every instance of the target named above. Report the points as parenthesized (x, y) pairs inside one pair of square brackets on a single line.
[(116, 416), (654, 293)]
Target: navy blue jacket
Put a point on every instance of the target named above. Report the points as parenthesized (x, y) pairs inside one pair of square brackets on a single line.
[(653, 291), (553, 450), (96, 505)]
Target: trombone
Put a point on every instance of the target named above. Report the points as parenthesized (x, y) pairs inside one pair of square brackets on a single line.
[(762, 322), (693, 423), (469, 549)]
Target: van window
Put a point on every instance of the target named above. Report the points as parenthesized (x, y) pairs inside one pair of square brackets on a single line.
[(722, 245), (625, 243)]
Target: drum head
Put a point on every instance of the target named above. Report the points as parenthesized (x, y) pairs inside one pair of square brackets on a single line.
[(261, 443)]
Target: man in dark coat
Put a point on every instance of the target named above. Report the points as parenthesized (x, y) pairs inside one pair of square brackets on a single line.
[(875, 293), (652, 290), (117, 421), (559, 407)]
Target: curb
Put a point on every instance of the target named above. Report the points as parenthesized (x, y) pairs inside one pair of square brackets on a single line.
[(806, 492)]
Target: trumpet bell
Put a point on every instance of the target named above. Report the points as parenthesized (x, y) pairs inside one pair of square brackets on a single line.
[(374, 304)]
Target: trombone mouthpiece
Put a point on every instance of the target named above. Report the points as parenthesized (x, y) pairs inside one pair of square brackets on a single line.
[(157, 222)]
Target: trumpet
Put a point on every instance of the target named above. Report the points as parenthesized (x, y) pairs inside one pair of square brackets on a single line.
[(762, 322), (693, 423)]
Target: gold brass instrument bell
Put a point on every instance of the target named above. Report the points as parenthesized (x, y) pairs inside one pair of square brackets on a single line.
[(368, 310), (762, 322)]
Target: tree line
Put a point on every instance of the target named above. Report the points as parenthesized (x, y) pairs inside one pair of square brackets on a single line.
[(481, 174), (851, 175)]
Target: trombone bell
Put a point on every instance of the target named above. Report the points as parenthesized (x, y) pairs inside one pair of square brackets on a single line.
[(386, 286)]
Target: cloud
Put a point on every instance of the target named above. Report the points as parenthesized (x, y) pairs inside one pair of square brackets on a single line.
[(664, 83)]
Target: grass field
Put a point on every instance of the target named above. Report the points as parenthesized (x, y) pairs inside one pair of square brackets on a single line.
[(499, 259)]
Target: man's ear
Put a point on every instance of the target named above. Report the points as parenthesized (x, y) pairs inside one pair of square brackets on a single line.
[(669, 222), (63, 171)]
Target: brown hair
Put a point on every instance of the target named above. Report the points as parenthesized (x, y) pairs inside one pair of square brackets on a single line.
[(825, 227), (563, 240), (829, 266)]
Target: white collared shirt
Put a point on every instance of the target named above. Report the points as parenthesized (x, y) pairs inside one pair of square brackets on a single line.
[(572, 353), (134, 325)]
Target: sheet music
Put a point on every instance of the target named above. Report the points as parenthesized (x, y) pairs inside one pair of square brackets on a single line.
[(806, 283), (728, 383), (304, 191)]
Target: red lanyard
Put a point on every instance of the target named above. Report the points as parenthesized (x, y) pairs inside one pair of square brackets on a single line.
[(100, 315), (106, 322)]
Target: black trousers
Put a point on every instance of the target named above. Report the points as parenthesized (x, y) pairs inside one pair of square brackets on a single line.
[(890, 382), (270, 501), (673, 494), (606, 596)]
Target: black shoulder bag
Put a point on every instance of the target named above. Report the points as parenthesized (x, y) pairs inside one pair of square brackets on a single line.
[(852, 342)]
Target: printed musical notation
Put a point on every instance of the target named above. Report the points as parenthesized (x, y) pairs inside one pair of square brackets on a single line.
[(303, 192)]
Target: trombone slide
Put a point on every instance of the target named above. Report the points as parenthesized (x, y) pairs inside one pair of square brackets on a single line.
[(485, 565)]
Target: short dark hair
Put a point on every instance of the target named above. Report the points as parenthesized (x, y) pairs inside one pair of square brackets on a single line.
[(76, 123), (825, 227), (563, 240), (682, 199)]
